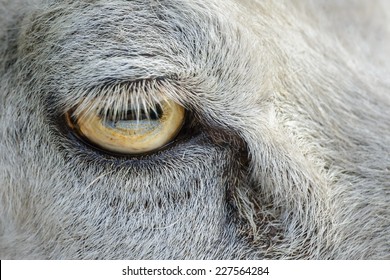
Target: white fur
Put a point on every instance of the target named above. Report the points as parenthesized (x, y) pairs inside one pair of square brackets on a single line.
[(289, 154)]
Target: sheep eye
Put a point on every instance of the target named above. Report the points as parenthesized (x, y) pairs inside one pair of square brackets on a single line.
[(136, 130)]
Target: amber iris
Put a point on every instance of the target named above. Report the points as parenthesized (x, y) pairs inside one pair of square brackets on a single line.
[(135, 131)]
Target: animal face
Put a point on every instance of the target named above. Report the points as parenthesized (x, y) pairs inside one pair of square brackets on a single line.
[(280, 148)]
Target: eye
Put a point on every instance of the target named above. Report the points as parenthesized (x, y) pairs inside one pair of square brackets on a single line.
[(133, 131)]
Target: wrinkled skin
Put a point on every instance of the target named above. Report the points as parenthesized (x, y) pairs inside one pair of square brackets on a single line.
[(284, 153)]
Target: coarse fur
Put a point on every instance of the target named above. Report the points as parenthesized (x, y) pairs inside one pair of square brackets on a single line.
[(286, 153)]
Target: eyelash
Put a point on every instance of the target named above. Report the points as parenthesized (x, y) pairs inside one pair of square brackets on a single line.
[(142, 94)]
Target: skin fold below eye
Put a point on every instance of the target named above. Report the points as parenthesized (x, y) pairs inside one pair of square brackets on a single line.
[(134, 132)]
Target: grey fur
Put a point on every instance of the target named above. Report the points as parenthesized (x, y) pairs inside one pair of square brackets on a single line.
[(289, 158)]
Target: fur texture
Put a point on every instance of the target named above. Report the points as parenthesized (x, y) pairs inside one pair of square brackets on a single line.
[(288, 142)]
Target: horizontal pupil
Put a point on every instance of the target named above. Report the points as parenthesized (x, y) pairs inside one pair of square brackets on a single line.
[(153, 114)]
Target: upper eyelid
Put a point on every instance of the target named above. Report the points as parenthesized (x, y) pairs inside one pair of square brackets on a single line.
[(77, 58), (115, 96)]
